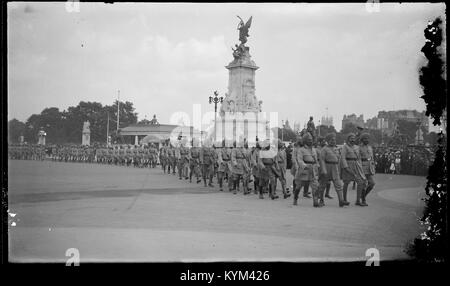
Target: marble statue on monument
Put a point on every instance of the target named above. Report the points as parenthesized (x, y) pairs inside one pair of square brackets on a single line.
[(240, 101), (86, 134)]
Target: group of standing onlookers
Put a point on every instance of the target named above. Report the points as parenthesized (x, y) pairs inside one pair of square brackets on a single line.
[(404, 160)]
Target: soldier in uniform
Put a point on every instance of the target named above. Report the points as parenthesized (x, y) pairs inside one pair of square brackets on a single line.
[(254, 159), (367, 161), (207, 162), (239, 166), (194, 161), (281, 160), (153, 155), (248, 172), (129, 155), (224, 160), (329, 169), (352, 168), (183, 160), (172, 159), (267, 170), (321, 143), (307, 167), (163, 157)]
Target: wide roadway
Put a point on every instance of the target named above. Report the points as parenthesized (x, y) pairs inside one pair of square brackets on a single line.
[(112, 213)]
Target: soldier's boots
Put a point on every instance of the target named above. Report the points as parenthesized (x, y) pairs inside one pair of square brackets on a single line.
[(306, 194), (358, 198), (260, 191), (342, 202), (316, 203), (286, 194), (364, 195), (272, 193), (344, 195)]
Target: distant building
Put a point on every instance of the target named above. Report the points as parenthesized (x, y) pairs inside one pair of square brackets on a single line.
[(352, 118), (155, 132), (297, 127), (372, 123), (387, 120), (286, 125), (327, 121)]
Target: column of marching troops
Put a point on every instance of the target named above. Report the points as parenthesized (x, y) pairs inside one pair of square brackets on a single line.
[(127, 155), (315, 165)]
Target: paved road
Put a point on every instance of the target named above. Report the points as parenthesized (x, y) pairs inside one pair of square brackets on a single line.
[(114, 213)]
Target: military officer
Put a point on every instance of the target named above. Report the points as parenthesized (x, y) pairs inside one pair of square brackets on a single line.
[(194, 161), (255, 166), (239, 166), (329, 169), (368, 164), (267, 169), (281, 160), (207, 161), (153, 155), (183, 162), (163, 157), (352, 168), (224, 160), (321, 143), (172, 159), (247, 179), (307, 167)]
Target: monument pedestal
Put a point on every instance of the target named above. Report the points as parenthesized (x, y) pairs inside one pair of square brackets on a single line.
[(240, 126), (41, 137), (86, 139), (241, 115)]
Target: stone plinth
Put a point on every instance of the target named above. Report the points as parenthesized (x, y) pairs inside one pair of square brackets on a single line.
[(239, 126), (86, 138)]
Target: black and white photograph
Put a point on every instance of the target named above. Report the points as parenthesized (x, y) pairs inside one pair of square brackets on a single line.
[(225, 132)]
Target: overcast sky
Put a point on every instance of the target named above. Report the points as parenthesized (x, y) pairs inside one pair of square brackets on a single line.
[(166, 57)]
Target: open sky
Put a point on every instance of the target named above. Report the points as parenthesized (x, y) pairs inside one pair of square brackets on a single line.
[(166, 57)]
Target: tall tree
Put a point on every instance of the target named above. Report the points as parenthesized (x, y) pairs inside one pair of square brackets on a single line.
[(432, 244), (16, 129), (432, 78)]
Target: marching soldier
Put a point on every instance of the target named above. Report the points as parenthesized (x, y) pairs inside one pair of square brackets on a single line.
[(239, 167), (172, 159), (194, 161), (352, 168), (281, 160), (153, 155), (183, 161), (368, 164), (329, 169), (248, 172), (224, 160), (307, 169), (254, 159), (207, 162), (320, 145), (267, 170), (163, 157)]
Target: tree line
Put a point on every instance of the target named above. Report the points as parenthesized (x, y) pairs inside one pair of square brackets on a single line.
[(66, 126)]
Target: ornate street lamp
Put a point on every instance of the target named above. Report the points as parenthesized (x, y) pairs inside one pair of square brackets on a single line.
[(216, 99)]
